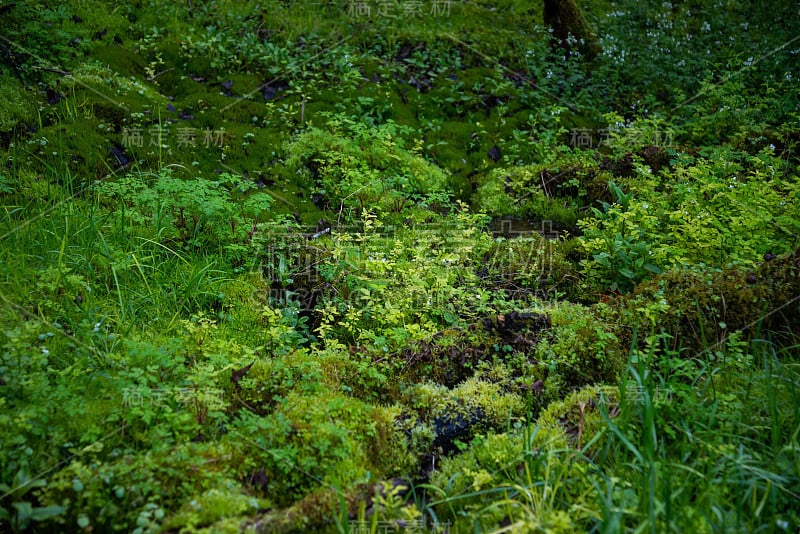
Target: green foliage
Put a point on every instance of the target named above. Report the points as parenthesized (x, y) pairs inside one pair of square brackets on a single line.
[(399, 285), (198, 214), (218, 508), (581, 347), (290, 300), (308, 440), (16, 108), (702, 213), (19, 512), (359, 167)]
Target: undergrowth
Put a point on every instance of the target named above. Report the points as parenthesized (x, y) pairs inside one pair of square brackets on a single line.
[(291, 268)]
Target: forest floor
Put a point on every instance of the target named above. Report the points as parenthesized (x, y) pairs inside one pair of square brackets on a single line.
[(346, 266)]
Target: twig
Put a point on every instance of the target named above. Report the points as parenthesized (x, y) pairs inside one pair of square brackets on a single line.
[(51, 69), (156, 75)]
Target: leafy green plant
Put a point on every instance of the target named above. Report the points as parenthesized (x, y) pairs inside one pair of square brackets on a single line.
[(197, 213), (208, 351), (359, 167), (418, 267), (19, 512)]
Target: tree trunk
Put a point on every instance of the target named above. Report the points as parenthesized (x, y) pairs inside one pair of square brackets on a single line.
[(566, 19)]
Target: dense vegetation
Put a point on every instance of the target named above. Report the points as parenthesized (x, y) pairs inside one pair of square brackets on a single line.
[(419, 266)]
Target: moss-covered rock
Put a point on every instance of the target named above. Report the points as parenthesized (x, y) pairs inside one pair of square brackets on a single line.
[(582, 347), (701, 309), (18, 105), (554, 192), (455, 415), (578, 414), (358, 168)]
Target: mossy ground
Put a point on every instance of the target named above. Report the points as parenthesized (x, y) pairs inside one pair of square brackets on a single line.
[(296, 267)]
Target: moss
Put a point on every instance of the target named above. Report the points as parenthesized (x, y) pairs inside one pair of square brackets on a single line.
[(123, 60), (703, 309), (249, 289), (220, 509), (581, 348), (318, 511), (120, 490), (500, 455), (357, 168), (312, 512), (386, 448), (438, 416), (355, 373), (110, 115), (455, 355), (321, 439), (566, 18), (270, 381), (531, 263), (548, 192), (18, 105), (498, 407), (504, 463), (578, 416)]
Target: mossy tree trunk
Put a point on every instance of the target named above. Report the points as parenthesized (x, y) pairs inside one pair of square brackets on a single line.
[(566, 18)]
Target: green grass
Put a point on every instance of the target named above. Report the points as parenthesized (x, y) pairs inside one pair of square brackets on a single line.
[(187, 347)]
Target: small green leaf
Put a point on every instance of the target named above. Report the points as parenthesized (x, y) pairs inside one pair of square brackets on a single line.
[(652, 268), (24, 511), (83, 521), (43, 513)]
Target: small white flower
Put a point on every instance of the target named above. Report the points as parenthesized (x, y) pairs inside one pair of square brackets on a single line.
[(45, 351)]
